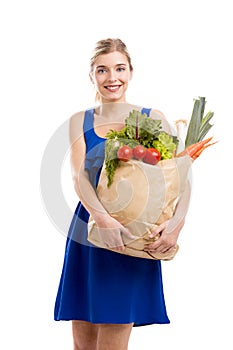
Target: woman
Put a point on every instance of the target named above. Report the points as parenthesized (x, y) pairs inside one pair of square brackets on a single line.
[(105, 293)]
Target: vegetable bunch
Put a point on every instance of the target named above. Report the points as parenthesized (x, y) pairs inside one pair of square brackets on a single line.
[(198, 127), (142, 138)]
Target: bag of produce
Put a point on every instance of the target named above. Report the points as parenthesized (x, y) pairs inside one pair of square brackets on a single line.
[(143, 177)]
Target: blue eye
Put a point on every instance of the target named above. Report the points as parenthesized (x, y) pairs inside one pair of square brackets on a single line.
[(120, 69), (101, 71)]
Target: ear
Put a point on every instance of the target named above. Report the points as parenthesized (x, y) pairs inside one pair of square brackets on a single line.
[(131, 75), (91, 77)]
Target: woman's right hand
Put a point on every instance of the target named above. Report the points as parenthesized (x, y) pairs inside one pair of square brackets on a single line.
[(111, 233)]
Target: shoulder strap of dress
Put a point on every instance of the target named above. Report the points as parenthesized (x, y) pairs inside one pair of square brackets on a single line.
[(146, 110), (88, 122)]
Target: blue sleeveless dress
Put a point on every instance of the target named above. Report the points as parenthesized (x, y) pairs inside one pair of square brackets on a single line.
[(98, 285)]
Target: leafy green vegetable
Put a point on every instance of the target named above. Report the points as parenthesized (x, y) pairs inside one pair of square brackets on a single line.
[(139, 129), (147, 128), (165, 145)]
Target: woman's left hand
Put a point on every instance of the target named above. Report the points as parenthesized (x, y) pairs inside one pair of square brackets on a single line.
[(167, 234)]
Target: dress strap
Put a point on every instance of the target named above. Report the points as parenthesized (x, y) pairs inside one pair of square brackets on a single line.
[(88, 122), (146, 110)]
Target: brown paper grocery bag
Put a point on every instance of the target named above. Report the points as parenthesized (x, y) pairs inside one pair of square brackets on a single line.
[(141, 197)]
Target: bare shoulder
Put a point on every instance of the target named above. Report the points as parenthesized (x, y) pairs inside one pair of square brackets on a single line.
[(76, 120), (157, 114), (76, 126)]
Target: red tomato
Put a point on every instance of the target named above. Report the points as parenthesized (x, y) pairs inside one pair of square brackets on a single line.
[(152, 156), (125, 153), (139, 152)]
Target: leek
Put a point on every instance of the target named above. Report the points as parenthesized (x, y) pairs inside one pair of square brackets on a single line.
[(199, 124)]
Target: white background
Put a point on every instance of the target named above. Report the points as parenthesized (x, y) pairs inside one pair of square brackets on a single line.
[(180, 50)]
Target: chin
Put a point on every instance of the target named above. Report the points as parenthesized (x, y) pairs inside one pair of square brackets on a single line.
[(117, 98)]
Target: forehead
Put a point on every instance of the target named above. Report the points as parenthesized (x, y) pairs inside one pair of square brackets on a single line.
[(111, 59)]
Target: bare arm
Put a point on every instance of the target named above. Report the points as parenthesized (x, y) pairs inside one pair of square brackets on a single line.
[(111, 229), (82, 185)]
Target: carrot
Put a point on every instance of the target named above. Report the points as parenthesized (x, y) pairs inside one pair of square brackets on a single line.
[(198, 146), (197, 154), (194, 148)]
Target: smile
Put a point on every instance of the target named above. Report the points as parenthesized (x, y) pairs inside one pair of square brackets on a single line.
[(113, 88)]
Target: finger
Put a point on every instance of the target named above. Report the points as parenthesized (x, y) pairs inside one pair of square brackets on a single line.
[(161, 249), (157, 246), (116, 244), (168, 250), (150, 247), (157, 231), (127, 233), (155, 234), (120, 248)]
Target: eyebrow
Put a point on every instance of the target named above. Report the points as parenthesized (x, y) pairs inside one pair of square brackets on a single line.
[(117, 65)]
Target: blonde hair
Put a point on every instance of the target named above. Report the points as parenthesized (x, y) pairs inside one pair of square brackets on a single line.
[(106, 46)]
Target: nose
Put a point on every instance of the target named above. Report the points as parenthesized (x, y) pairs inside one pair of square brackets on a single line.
[(112, 75)]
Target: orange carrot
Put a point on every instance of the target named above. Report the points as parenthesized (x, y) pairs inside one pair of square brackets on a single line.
[(197, 154), (193, 149)]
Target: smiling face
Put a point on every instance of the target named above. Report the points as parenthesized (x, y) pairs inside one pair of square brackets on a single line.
[(111, 75)]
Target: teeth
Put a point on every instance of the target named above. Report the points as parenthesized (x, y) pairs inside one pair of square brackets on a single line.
[(112, 87)]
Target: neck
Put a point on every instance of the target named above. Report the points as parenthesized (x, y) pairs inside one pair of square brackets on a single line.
[(109, 109)]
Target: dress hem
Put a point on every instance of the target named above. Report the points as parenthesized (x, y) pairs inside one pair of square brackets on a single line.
[(135, 323)]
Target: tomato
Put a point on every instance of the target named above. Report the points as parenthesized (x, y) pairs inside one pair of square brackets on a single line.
[(139, 152), (152, 156), (125, 153)]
